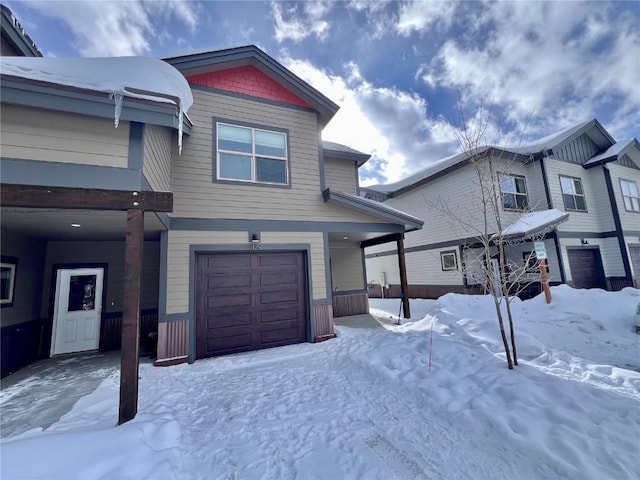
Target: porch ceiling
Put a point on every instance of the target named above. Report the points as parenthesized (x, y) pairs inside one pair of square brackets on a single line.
[(354, 237), (55, 224)]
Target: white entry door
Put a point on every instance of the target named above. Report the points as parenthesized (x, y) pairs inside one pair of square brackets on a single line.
[(78, 305)]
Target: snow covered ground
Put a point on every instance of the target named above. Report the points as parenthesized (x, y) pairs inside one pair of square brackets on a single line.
[(367, 406)]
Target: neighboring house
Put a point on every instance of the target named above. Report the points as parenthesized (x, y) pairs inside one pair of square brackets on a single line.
[(582, 171), (252, 226)]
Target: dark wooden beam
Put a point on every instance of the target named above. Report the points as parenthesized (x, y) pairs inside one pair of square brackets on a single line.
[(404, 286), (129, 354), (380, 240), (34, 196)]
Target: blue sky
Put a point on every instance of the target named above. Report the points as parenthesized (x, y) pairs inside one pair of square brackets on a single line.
[(399, 70)]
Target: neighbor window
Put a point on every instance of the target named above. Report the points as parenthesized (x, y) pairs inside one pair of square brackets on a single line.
[(248, 154), (514, 192), (7, 280), (531, 262), (630, 195), (449, 260), (573, 194)]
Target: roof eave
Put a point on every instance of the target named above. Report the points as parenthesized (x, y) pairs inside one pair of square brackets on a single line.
[(191, 64), (409, 222)]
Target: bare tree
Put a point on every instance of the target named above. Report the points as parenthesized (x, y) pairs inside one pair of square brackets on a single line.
[(486, 262)]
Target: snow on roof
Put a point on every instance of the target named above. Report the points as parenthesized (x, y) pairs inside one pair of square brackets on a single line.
[(431, 169), (534, 223), (554, 139), (614, 151), (339, 147), (137, 77)]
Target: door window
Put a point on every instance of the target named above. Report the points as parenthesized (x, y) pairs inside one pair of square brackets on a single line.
[(82, 293)]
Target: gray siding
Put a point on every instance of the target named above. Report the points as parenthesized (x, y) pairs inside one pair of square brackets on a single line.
[(346, 268), (196, 195), (30, 253), (158, 142), (36, 134), (111, 253), (341, 175), (599, 217), (629, 220)]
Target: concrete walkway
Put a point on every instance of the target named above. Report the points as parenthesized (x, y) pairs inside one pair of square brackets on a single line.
[(365, 320), (38, 395)]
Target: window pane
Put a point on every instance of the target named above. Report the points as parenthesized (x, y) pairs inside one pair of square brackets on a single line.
[(237, 139), (521, 200), (508, 184), (5, 282), (626, 187), (508, 200), (577, 185), (635, 205), (627, 203), (268, 170), (270, 143), (521, 186), (580, 203), (448, 261), (82, 293), (566, 184), (568, 202), (237, 167)]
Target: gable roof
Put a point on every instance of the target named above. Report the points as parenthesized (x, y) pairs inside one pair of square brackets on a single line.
[(342, 152), (209, 61), (533, 151), (615, 152)]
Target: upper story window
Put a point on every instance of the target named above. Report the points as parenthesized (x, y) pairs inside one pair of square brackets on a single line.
[(248, 154), (630, 195), (573, 194), (514, 192)]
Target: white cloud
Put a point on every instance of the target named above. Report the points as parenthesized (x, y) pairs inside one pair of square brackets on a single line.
[(564, 60), (117, 28), (296, 23), (418, 16), (388, 123)]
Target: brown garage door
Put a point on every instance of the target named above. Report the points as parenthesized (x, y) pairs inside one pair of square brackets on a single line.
[(248, 301), (586, 268)]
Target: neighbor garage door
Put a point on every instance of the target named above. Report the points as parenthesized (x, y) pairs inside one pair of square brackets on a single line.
[(586, 268), (248, 301), (634, 256)]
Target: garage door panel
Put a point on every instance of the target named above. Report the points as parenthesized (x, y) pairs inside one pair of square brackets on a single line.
[(279, 336), (231, 319), (278, 259), (229, 261), (279, 279), (267, 298), (229, 343), (227, 280), (283, 314), (585, 268), (249, 301)]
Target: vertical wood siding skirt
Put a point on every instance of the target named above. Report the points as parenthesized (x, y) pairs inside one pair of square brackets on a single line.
[(347, 305), (172, 342), (323, 322)]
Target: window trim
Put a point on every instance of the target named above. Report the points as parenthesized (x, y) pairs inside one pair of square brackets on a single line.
[(620, 180), (584, 195), (502, 176), (455, 260), (254, 126), (11, 265)]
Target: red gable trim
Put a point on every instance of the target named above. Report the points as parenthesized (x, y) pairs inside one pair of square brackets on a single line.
[(249, 81)]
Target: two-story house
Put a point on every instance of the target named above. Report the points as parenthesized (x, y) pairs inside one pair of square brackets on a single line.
[(582, 171), (246, 226)]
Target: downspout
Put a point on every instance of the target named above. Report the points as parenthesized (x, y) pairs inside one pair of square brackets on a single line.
[(618, 223), (554, 235)]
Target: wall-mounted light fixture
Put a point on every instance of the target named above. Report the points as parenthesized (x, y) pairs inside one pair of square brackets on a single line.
[(583, 241), (254, 237)]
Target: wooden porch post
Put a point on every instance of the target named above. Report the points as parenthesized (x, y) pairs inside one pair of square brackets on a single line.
[(404, 287), (129, 356)]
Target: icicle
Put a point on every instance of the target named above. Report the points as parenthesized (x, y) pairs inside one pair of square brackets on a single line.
[(118, 99), (180, 118)]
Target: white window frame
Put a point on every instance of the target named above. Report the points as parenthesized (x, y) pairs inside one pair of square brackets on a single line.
[(253, 155), (583, 195), (448, 253), (631, 202), (524, 194)]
